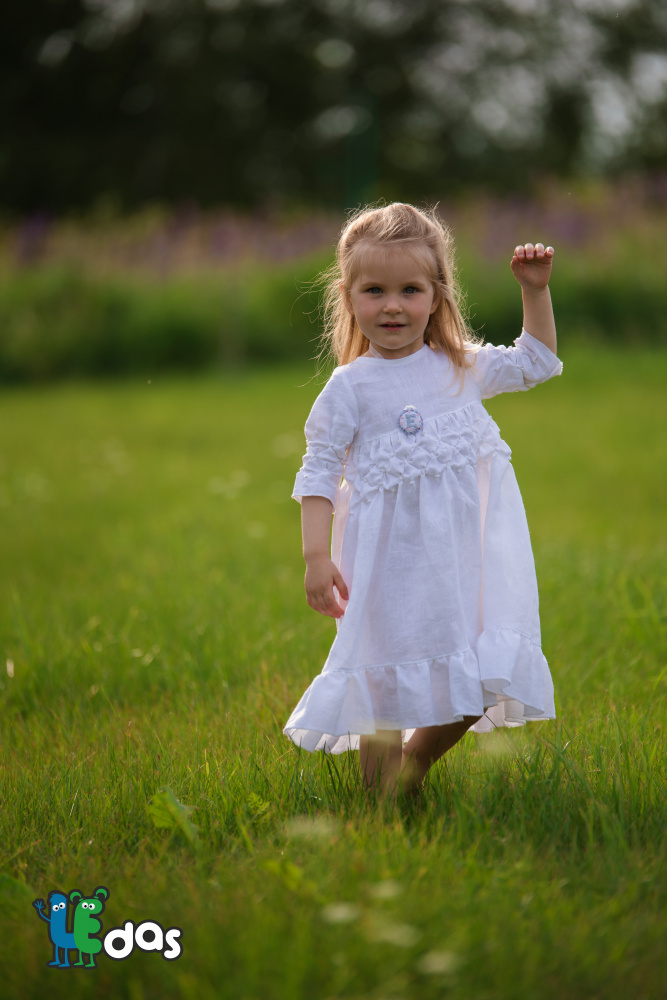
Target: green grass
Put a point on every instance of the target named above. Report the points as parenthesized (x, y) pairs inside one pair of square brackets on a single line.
[(152, 606)]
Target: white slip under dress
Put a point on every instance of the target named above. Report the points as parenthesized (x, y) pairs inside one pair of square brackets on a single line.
[(430, 536)]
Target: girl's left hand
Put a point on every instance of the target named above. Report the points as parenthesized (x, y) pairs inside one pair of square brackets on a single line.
[(531, 265)]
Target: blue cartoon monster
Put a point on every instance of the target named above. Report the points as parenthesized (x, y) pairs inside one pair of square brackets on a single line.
[(86, 924), (61, 939)]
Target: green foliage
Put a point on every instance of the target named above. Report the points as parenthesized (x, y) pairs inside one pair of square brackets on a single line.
[(152, 609), (154, 292), (167, 813), (613, 308), (59, 321)]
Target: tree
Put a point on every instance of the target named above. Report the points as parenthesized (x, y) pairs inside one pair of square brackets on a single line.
[(248, 101)]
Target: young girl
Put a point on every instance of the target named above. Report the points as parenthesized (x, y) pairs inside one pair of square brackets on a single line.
[(431, 577)]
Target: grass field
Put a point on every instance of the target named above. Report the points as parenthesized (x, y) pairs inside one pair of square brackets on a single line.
[(155, 630)]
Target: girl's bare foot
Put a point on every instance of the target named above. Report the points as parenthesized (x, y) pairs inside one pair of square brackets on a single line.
[(380, 757), (425, 747)]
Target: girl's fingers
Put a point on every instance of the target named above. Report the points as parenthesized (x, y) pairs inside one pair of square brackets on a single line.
[(325, 604), (320, 592), (331, 607), (342, 588), (529, 251)]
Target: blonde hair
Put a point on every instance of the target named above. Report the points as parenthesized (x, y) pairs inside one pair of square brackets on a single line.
[(421, 232)]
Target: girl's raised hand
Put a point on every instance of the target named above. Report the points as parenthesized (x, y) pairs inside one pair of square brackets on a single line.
[(531, 265), (322, 575)]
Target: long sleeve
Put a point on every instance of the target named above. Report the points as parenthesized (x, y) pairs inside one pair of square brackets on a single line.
[(330, 429), (515, 369)]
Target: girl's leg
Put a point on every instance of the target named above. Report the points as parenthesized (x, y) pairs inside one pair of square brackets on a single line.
[(380, 757), (427, 745)]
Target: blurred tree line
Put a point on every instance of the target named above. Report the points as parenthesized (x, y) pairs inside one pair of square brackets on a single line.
[(332, 101)]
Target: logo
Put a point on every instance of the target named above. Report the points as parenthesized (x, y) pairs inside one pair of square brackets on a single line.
[(73, 926)]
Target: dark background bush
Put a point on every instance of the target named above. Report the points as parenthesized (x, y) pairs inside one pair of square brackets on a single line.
[(322, 101)]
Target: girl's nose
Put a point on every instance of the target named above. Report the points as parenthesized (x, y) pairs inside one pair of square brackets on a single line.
[(391, 307)]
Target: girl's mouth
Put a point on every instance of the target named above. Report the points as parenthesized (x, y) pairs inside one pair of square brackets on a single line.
[(393, 326)]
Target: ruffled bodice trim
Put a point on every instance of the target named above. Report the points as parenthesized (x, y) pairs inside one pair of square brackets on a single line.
[(451, 440)]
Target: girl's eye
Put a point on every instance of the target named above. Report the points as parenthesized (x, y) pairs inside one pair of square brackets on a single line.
[(374, 289), (411, 289)]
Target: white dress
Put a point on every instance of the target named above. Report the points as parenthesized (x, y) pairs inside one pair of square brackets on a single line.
[(430, 536)]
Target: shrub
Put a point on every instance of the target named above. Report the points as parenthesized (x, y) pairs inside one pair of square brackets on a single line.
[(60, 322)]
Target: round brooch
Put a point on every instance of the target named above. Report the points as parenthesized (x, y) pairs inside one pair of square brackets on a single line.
[(410, 421)]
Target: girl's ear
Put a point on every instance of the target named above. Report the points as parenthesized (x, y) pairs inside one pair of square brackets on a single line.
[(345, 295), (437, 295)]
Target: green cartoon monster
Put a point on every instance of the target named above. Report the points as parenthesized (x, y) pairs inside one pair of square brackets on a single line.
[(86, 924)]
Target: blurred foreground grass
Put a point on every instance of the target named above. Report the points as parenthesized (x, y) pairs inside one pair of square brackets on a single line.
[(153, 617)]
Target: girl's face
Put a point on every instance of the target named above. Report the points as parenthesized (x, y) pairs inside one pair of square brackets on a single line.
[(392, 299)]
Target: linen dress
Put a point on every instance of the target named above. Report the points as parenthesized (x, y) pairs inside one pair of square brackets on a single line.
[(430, 536)]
